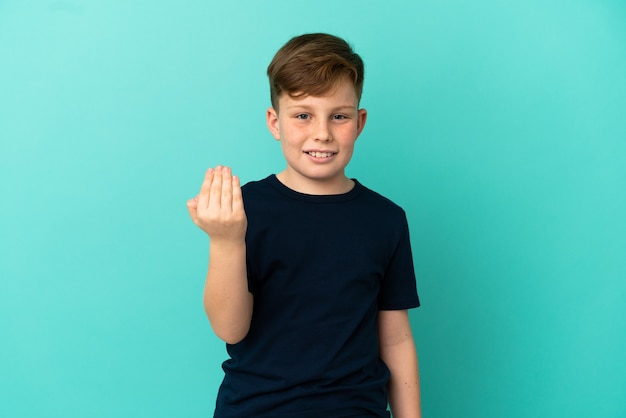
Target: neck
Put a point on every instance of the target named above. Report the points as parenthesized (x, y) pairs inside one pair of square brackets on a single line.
[(316, 187)]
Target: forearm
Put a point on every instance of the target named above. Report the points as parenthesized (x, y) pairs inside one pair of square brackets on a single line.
[(227, 301), (404, 385), (397, 350)]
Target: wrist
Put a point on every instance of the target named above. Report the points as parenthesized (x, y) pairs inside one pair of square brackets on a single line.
[(226, 245)]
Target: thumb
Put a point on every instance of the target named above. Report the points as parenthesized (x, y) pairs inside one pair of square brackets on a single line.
[(192, 207)]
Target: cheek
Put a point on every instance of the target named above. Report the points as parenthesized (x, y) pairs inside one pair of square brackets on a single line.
[(290, 142), (295, 137), (348, 133)]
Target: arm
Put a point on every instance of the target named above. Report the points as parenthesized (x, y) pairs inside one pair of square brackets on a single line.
[(397, 350), (218, 210)]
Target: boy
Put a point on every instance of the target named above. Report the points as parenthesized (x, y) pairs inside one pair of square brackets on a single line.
[(310, 273)]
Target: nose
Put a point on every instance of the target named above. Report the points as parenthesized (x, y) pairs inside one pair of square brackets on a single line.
[(322, 131)]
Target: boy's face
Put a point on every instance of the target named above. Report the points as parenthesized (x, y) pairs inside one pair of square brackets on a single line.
[(317, 135)]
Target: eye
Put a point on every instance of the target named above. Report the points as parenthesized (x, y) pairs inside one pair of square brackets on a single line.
[(302, 116), (340, 117)]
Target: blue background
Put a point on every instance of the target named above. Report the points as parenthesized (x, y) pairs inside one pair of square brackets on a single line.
[(498, 126)]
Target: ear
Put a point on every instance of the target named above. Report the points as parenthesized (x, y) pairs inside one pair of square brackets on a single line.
[(360, 121), (271, 118)]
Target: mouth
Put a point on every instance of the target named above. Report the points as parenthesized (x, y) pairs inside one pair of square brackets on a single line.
[(320, 154)]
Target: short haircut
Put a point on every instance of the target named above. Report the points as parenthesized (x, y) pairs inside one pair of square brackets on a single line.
[(313, 64)]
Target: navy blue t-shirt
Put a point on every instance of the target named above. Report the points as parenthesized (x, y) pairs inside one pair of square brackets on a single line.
[(320, 268)]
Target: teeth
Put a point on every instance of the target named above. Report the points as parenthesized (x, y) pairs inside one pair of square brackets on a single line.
[(320, 154)]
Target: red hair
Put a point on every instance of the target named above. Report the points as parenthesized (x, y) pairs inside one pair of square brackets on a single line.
[(313, 64)]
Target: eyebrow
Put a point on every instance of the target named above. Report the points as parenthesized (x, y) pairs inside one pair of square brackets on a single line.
[(305, 107)]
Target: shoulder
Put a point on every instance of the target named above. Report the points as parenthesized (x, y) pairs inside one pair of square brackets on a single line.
[(379, 202), (264, 198), (257, 189), (256, 185)]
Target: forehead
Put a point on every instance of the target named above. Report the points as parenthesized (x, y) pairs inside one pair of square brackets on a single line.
[(343, 94)]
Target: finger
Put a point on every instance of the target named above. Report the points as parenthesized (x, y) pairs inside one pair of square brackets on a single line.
[(227, 189), (237, 196), (215, 199), (203, 196)]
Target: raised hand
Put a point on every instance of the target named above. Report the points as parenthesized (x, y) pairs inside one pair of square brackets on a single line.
[(218, 211), (218, 208)]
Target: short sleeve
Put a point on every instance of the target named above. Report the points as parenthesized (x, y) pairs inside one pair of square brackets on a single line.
[(398, 287)]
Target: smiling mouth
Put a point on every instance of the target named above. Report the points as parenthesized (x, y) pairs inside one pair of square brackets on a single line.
[(318, 154)]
